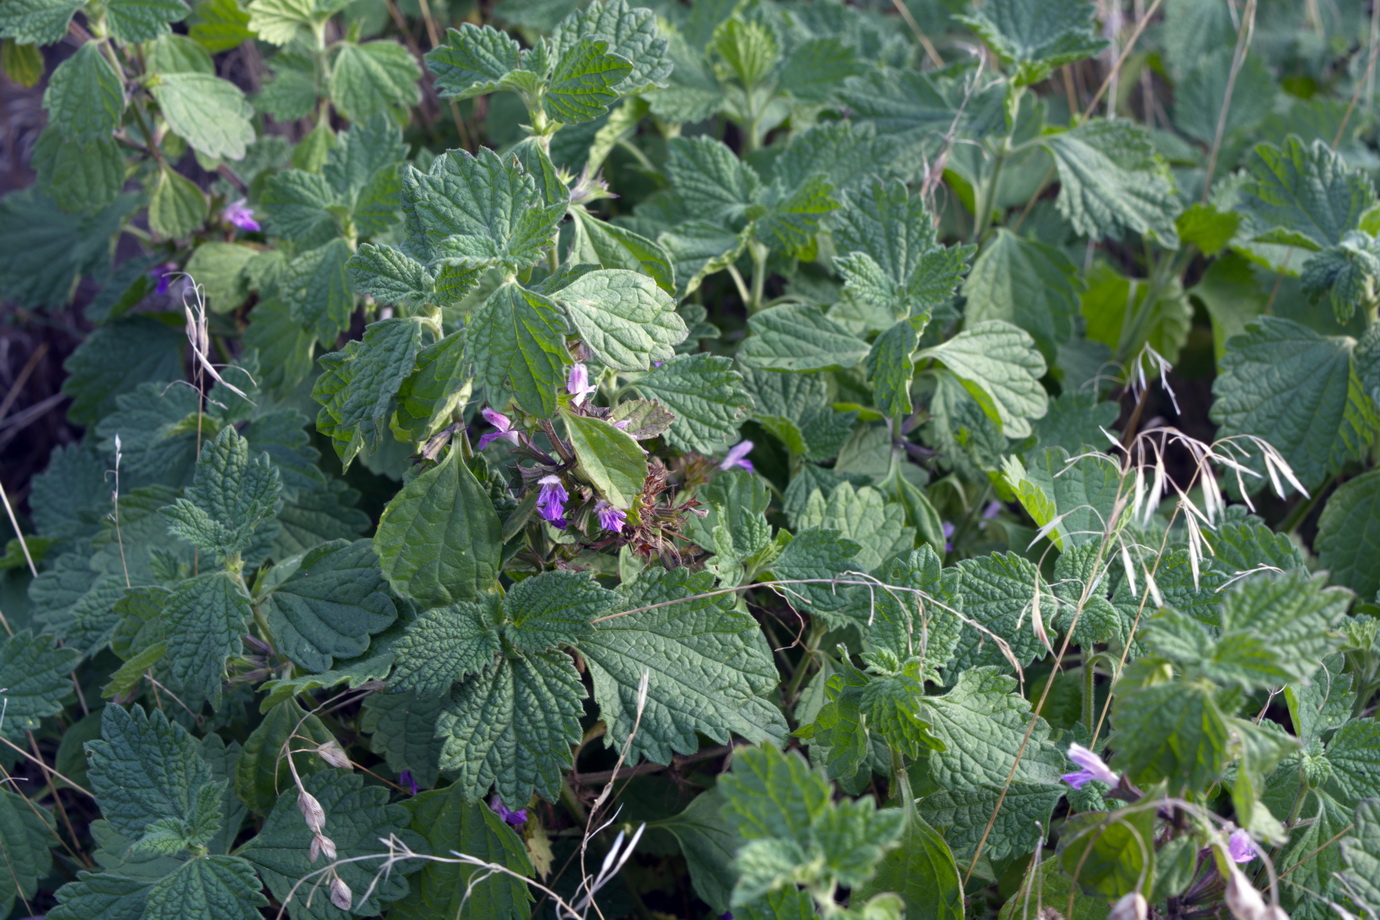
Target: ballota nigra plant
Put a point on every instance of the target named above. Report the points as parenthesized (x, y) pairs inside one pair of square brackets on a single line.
[(759, 458)]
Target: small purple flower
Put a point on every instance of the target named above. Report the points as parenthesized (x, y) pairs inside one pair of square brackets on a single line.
[(991, 511), (610, 518), (737, 456), (577, 384), (241, 216), (515, 818), (1093, 768), (948, 529), (163, 274), (1240, 846), (502, 423), (551, 500), (405, 779)]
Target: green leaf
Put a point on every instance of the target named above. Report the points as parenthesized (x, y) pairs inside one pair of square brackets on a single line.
[(357, 818), (792, 215), (81, 178), (219, 886), (631, 33), (1346, 273), (1034, 37), (37, 22), (389, 275), (617, 247), (318, 290), (1361, 853), (445, 645), (177, 207), (329, 604), (553, 609), (434, 391), (1120, 315), (799, 338), (797, 408), (492, 205), (998, 592), (374, 78), (205, 618), (1111, 180), (262, 771), (1111, 854), (707, 843), (1349, 534), (708, 671), (982, 723), (512, 727), (749, 50), (816, 69), (1299, 391), (864, 516), (1304, 195), (402, 728), (359, 387), (710, 179), (890, 368), (230, 498), (1027, 284), (611, 459), (36, 675), (219, 25), (707, 397), (207, 112), (472, 61), (26, 833), (623, 317), (438, 539), (922, 871), (21, 63), (905, 270), (1000, 366), (278, 21), (1172, 731), (817, 554), (298, 205), (1202, 95), (144, 770), (43, 251), (85, 96), (516, 340), (219, 267), (143, 20), (450, 824), (581, 85)]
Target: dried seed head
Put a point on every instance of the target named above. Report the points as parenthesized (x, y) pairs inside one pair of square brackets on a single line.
[(341, 895), (1130, 907), (321, 845), (334, 754), (312, 812), (1243, 899)]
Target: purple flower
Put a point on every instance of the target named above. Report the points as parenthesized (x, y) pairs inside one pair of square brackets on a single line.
[(610, 518), (502, 423), (991, 511), (163, 274), (551, 500), (405, 779), (948, 529), (1093, 768), (1240, 846), (515, 818), (737, 456), (241, 216), (577, 384)]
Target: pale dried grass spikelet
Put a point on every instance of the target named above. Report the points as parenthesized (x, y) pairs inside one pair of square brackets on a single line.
[(312, 812), (334, 754), (194, 308)]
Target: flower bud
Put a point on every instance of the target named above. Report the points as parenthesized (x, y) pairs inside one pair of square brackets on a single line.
[(341, 895), (312, 812), (334, 754), (1132, 906)]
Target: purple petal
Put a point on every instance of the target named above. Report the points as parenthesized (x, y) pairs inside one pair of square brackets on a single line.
[(735, 456), (1077, 780), (1092, 764), (610, 518), (551, 500), (241, 216), (1240, 846), (405, 779)]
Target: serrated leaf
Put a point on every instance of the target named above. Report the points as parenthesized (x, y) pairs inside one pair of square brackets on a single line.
[(707, 397), (207, 112), (710, 179), (262, 771), (581, 85), (792, 215), (278, 21), (374, 78), (799, 338), (1028, 284), (220, 886), (623, 317), (332, 602), (219, 25), (1112, 301), (708, 845), (472, 61), (389, 275), (357, 818), (218, 267), (144, 769), (438, 539), (26, 834), (80, 177), (512, 727), (708, 671), (922, 871), (618, 247), (1000, 366), (1361, 854), (631, 33), (21, 63), (143, 20), (816, 69), (641, 418), (402, 729), (997, 591), (36, 677), (85, 96), (230, 498), (445, 645), (435, 389), (818, 555), (610, 458), (205, 618), (553, 609), (516, 340), (1173, 731), (297, 205), (1348, 539), (37, 22), (1111, 181), (43, 251), (1304, 195), (890, 368), (450, 824), (358, 390), (1299, 390), (1033, 37), (797, 409), (115, 359), (864, 516), (318, 290)]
